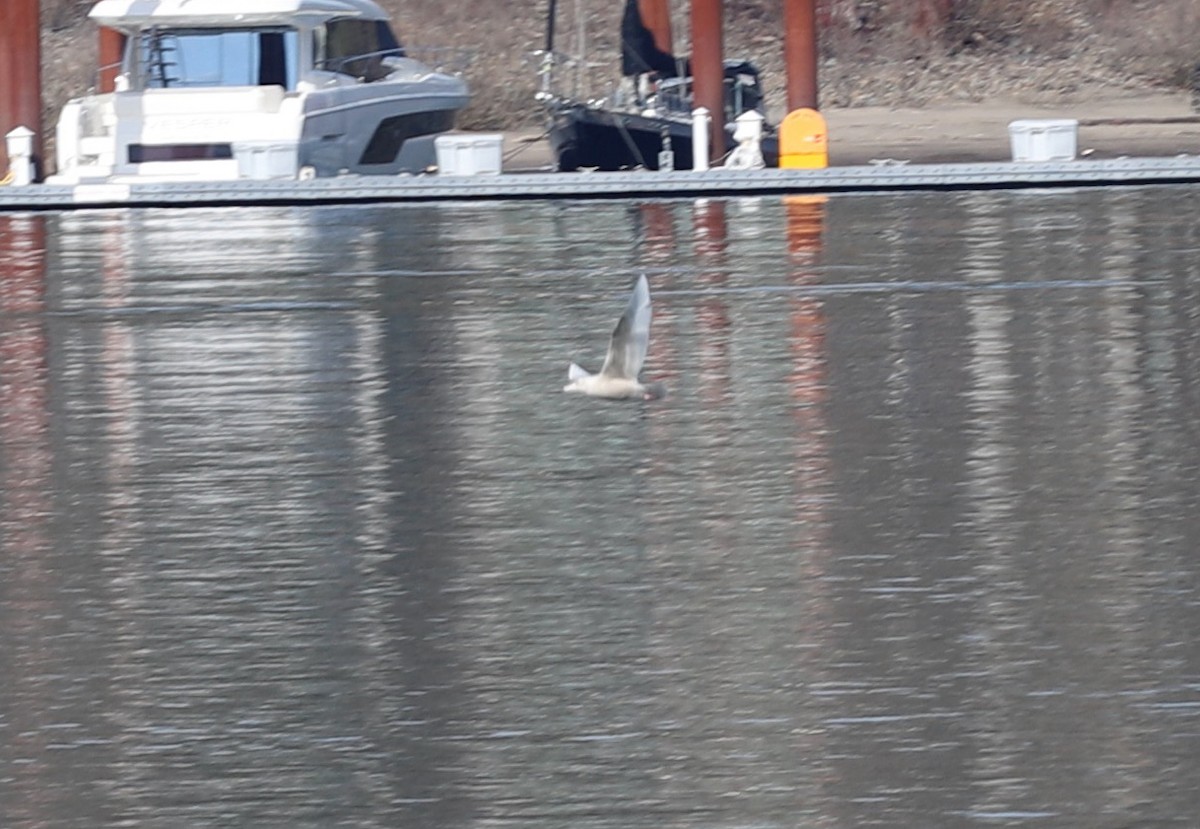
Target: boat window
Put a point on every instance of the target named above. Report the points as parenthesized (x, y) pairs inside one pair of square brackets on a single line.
[(357, 47), (219, 57)]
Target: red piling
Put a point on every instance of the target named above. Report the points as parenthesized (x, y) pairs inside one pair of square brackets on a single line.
[(800, 53), (708, 71), (112, 45), (20, 74)]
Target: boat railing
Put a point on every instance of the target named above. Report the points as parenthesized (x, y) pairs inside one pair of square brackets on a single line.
[(365, 65), (372, 66), (553, 67), (105, 77), (452, 60)]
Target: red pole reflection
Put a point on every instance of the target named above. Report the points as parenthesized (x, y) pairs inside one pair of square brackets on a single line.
[(25, 507), (658, 246), (711, 232), (658, 232), (23, 397)]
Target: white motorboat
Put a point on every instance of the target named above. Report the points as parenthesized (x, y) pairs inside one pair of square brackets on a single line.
[(226, 89)]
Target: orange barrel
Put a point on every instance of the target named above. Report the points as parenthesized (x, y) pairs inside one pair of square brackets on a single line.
[(803, 141)]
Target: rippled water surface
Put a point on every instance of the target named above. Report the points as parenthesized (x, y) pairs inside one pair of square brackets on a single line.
[(298, 529)]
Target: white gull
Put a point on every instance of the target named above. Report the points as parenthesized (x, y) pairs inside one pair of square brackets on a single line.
[(618, 379)]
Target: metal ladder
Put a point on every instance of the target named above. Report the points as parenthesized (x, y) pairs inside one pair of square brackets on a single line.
[(161, 49)]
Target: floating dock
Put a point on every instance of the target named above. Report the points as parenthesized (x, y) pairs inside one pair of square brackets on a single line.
[(715, 183)]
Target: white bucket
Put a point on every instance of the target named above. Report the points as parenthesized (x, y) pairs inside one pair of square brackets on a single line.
[(1051, 139), (469, 154)]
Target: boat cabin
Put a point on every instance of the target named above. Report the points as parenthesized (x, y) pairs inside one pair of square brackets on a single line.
[(211, 89)]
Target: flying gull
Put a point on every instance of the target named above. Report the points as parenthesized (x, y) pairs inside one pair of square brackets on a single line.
[(618, 379)]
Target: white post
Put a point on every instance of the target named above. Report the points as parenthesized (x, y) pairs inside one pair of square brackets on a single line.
[(20, 155), (700, 125)]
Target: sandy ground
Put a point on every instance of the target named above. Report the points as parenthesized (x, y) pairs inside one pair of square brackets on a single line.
[(1158, 124)]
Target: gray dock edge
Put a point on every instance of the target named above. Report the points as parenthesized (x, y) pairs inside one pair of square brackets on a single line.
[(714, 183)]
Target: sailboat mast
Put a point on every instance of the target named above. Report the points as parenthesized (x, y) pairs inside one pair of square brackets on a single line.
[(551, 13), (546, 71), (708, 70), (581, 84)]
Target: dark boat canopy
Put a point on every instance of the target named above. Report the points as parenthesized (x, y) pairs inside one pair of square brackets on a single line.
[(639, 53)]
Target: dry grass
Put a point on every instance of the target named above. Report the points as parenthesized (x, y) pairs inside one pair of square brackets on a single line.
[(1160, 39), (58, 15), (496, 40)]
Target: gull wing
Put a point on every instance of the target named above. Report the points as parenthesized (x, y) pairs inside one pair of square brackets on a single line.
[(576, 372), (631, 337)]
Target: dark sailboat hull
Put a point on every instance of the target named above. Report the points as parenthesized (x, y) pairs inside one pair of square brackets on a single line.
[(588, 137)]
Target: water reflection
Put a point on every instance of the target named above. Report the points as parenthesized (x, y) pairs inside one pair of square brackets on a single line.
[(25, 489), (298, 528)]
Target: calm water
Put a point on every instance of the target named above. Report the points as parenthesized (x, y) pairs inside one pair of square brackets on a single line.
[(297, 528)]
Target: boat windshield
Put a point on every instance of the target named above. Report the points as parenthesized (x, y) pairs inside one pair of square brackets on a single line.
[(219, 57), (356, 47)]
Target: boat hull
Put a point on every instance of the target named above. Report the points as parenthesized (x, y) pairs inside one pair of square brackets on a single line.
[(381, 134), (585, 137), (257, 132)]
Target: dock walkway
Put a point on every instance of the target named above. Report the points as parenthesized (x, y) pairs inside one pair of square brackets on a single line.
[(714, 183), (1144, 140)]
